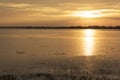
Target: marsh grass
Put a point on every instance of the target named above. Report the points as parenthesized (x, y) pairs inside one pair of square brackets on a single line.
[(47, 76), (69, 68)]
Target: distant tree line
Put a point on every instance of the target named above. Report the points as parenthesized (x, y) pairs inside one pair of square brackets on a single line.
[(60, 27)]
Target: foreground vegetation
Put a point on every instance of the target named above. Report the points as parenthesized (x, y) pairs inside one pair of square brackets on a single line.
[(68, 68), (47, 76)]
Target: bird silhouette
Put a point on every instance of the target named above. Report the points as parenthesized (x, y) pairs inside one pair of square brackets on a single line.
[(20, 52)]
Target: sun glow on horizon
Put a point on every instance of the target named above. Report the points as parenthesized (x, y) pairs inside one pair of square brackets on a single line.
[(88, 14), (89, 33)]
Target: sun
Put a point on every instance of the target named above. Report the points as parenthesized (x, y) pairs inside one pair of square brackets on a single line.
[(88, 14)]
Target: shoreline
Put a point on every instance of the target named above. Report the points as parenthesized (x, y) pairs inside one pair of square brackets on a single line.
[(71, 27)]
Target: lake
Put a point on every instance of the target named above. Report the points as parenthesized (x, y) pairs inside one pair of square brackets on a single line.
[(91, 52)]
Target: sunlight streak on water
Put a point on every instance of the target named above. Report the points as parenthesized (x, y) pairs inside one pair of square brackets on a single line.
[(89, 42)]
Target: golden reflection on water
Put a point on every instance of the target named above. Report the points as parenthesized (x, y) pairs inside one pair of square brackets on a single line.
[(89, 42)]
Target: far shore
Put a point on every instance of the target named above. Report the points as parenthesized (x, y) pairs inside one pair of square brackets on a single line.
[(61, 27)]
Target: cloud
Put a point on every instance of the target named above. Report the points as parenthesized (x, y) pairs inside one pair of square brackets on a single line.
[(58, 11), (14, 5), (31, 11), (112, 18), (59, 1)]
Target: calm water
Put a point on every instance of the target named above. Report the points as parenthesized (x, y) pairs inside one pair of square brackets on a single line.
[(31, 49), (56, 42)]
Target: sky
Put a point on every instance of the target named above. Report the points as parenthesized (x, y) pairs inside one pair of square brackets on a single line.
[(59, 12)]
